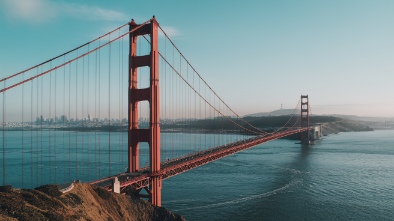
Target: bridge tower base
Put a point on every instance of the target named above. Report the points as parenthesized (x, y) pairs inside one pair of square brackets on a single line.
[(150, 94)]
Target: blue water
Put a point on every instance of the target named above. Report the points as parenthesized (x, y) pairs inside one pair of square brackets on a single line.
[(34, 158), (343, 177), (349, 176)]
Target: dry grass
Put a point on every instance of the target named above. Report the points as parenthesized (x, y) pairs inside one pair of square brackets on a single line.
[(83, 202)]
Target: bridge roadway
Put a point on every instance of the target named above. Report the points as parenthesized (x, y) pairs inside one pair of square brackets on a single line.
[(142, 178)]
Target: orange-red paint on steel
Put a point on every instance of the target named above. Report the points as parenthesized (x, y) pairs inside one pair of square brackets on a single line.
[(186, 163), (305, 118), (151, 94)]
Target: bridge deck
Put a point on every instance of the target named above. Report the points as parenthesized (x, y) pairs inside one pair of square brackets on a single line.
[(179, 165)]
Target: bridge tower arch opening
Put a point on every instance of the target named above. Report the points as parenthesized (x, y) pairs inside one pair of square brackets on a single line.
[(150, 94), (305, 139)]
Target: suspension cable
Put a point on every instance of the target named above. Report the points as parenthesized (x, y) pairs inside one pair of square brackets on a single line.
[(292, 115), (180, 75), (173, 44), (204, 98), (68, 52), (74, 59)]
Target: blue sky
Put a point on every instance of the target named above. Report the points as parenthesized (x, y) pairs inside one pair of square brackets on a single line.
[(257, 55)]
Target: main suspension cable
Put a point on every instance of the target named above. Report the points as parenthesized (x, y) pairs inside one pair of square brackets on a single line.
[(228, 118), (173, 44), (68, 52), (74, 59)]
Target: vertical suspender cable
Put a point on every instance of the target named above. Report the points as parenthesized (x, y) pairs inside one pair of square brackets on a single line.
[(221, 124), (69, 122), (109, 106), (48, 124), (122, 101), (221, 128), (188, 109), (165, 94), (173, 103), (173, 96), (214, 123), (76, 116), (54, 138), (23, 144), (83, 115), (178, 90), (3, 149), (205, 118), (162, 113), (37, 164), (180, 93), (199, 113), (64, 112), (96, 89), (212, 115), (41, 122), (99, 107), (190, 112), (31, 135), (193, 106), (181, 112), (95, 112), (119, 101), (89, 121)]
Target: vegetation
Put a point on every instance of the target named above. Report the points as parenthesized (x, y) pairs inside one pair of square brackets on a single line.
[(83, 202)]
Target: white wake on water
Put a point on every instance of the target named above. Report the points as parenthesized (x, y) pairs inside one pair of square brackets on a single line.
[(294, 182)]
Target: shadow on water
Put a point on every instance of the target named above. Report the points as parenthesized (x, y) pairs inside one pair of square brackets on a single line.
[(295, 203), (286, 202), (331, 180), (266, 180)]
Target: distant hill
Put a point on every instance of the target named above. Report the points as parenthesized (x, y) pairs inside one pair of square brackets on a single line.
[(359, 118), (282, 112), (279, 112)]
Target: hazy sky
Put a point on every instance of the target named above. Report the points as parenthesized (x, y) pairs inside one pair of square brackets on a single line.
[(256, 54)]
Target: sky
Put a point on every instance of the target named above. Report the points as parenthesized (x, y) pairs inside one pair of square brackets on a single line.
[(257, 55)]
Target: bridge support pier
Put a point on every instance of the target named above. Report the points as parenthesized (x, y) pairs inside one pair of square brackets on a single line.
[(116, 185), (151, 94)]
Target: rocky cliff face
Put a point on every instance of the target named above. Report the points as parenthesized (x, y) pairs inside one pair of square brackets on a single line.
[(83, 202)]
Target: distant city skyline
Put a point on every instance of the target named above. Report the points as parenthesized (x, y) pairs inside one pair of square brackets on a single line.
[(257, 55)]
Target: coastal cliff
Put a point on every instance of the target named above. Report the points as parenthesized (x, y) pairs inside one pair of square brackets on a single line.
[(82, 202)]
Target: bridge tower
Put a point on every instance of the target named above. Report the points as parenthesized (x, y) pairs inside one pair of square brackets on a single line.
[(305, 119), (150, 94)]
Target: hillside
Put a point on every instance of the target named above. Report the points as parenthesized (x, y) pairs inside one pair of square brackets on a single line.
[(344, 126), (279, 112), (83, 202)]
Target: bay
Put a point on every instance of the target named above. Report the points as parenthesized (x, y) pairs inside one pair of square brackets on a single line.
[(348, 176)]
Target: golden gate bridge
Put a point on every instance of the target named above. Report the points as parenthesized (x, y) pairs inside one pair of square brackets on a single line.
[(79, 116)]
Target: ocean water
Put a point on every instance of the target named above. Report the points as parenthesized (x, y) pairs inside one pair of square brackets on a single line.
[(32, 158), (349, 176)]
